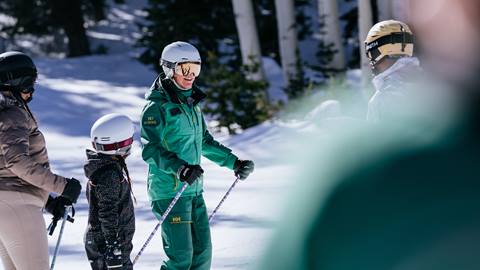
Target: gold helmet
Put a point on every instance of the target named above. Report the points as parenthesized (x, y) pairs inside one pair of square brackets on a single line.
[(388, 38)]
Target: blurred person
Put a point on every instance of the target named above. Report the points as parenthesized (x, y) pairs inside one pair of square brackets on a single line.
[(111, 219), (330, 108), (389, 47), (404, 200), (175, 136), (25, 176), (449, 57)]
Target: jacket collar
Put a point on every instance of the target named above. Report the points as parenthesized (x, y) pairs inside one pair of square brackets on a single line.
[(96, 161), (403, 65), (171, 91), (8, 101)]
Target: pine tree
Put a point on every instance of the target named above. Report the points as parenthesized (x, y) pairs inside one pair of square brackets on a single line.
[(69, 16), (29, 15), (47, 17), (204, 23), (98, 9), (234, 100)]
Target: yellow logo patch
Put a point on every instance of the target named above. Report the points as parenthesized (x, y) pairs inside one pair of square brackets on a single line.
[(150, 121)]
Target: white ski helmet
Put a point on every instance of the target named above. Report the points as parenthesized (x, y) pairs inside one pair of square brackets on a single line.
[(176, 53), (112, 134)]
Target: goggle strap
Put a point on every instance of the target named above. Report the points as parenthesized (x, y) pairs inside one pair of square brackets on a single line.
[(168, 64), (398, 37)]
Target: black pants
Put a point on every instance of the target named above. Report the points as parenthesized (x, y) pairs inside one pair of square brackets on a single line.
[(95, 248)]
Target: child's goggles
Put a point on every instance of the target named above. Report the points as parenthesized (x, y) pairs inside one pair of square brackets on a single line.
[(113, 146)]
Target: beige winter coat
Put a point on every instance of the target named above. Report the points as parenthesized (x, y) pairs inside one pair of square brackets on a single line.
[(24, 163)]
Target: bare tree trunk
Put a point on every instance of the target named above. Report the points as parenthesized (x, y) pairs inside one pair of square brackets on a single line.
[(3, 44), (364, 25), (385, 11), (98, 9), (69, 16), (331, 34), (248, 36), (287, 36), (400, 10)]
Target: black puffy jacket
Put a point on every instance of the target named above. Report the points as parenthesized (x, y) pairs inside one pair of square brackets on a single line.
[(109, 195)]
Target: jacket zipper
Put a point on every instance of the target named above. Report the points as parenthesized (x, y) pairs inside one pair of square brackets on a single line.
[(193, 115)]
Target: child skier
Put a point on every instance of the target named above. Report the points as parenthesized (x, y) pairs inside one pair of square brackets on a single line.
[(111, 220)]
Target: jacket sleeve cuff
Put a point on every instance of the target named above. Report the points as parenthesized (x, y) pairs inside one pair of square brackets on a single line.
[(178, 163), (230, 162), (60, 185)]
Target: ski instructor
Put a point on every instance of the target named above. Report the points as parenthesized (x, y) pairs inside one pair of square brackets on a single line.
[(25, 176), (175, 136)]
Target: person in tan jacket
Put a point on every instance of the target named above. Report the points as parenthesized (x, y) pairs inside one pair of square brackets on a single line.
[(25, 177)]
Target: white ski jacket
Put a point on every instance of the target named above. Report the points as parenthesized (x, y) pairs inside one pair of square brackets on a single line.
[(392, 89)]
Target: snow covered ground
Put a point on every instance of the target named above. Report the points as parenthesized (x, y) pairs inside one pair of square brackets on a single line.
[(72, 93)]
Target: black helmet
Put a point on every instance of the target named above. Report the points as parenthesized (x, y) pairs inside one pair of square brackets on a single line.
[(17, 72)]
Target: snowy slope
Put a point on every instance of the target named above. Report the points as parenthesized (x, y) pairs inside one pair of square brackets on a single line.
[(72, 93)]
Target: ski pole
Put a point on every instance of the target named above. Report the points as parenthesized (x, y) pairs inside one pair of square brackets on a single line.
[(223, 199), (162, 218), (65, 216)]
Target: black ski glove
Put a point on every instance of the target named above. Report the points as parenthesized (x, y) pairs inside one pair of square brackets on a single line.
[(113, 255), (56, 207), (189, 173), (72, 190), (243, 168)]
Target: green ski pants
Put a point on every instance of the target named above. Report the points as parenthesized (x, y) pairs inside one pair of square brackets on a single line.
[(185, 234)]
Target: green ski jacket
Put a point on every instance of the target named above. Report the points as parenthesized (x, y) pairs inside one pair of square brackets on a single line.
[(175, 133)]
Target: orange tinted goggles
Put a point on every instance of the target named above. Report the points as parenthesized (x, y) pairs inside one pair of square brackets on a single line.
[(188, 68)]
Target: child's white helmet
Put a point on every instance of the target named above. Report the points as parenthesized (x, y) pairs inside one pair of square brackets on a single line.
[(112, 134), (176, 53)]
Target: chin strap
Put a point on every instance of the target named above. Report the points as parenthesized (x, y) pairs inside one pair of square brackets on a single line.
[(23, 102)]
